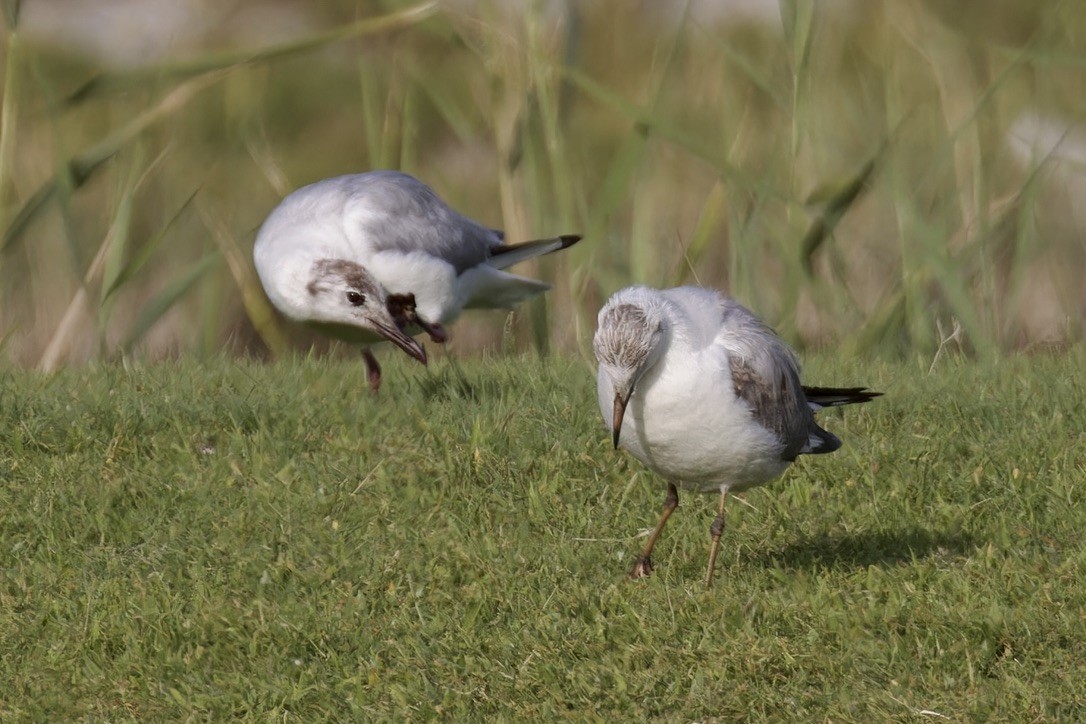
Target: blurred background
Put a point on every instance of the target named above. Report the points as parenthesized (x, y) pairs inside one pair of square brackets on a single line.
[(890, 177)]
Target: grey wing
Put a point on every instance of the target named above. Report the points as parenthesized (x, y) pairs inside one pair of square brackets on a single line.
[(403, 214), (765, 374)]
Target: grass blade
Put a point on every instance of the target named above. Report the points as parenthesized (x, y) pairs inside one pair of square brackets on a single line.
[(11, 13), (161, 303), (83, 164), (9, 111), (834, 209), (103, 265), (797, 17), (252, 295), (647, 122), (711, 212), (27, 213), (141, 257), (119, 235)]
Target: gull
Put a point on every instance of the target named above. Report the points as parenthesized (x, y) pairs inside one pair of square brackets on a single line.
[(706, 395), (379, 256)]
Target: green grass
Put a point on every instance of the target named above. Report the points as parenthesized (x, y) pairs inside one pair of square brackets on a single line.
[(208, 540)]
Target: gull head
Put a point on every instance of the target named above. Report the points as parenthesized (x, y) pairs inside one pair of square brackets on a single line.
[(630, 338), (346, 301)]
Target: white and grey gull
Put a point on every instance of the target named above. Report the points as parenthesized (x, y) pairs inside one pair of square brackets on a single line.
[(379, 256), (706, 395)]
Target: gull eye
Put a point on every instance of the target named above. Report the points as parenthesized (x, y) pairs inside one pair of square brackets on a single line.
[(356, 298)]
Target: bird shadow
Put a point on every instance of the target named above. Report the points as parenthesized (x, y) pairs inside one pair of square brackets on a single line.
[(869, 548)]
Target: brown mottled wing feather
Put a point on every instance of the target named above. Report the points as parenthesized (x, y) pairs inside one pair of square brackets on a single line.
[(765, 374), (774, 404)]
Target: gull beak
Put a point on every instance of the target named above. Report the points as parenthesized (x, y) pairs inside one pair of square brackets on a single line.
[(616, 418), (401, 340)]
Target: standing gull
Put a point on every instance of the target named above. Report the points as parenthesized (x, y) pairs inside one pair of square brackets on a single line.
[(379, 256), (702, 392)]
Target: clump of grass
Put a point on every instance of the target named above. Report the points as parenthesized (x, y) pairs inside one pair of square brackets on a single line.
[(221, 540)]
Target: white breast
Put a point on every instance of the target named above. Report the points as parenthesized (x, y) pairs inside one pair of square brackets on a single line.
[(686, 424)]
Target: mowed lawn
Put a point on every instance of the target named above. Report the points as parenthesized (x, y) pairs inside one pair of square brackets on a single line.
[(217, 539)]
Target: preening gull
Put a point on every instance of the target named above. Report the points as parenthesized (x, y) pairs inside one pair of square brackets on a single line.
[(379, 256)]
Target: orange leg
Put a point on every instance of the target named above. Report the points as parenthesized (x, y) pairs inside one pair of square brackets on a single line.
[(643, 565), (373, 371), (715, 530)]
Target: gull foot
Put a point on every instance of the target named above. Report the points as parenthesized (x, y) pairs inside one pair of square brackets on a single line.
[(642, 568)]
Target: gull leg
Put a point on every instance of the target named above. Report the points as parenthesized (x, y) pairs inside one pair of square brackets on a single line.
[(643, 565), (715, 530), (373, 370)]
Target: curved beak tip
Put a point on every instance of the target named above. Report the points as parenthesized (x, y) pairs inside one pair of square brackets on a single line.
[(616, 419), (419, 352), (408, 344)]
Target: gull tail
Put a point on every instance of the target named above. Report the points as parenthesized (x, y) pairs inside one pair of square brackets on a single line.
[(822, 397), (820, 441), (507, 255)]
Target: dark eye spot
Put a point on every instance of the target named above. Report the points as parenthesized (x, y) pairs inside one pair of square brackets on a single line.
[(356, 298)]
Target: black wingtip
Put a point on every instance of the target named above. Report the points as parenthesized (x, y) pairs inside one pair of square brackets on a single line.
[(834, 396), (565, 241)]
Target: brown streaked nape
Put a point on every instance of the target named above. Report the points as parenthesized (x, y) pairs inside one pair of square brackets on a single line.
[(352, 273), (623, 348)]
